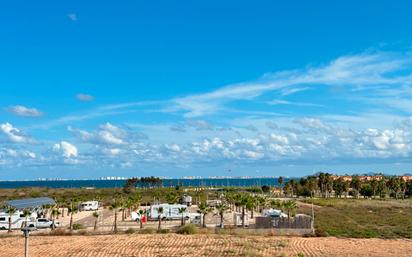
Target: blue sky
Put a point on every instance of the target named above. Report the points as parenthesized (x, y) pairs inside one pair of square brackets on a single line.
[(99, 88)]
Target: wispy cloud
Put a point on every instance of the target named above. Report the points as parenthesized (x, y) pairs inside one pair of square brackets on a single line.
[(84, 97), (24, 111), (284, 102), (353, 71)]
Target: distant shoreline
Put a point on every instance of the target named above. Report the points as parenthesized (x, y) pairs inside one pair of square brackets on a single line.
[(101, 183)]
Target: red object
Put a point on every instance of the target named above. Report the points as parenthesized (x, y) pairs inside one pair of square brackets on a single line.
[(144, 219)]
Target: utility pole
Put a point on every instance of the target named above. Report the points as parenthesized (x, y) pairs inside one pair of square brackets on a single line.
[(26, 231), (313, 219)]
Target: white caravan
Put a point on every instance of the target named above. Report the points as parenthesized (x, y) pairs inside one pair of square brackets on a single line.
[(170, 212), (89, 206), (16, 221)]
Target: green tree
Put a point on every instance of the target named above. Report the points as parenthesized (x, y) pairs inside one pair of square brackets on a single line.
[(290, 207), (96, 217), (26, 215), (182, 212), (72, 209), (54, 214), (115, 208), (340, 187), (242, 200), (204, 209), (160, 211), (221, 209), (10, 211)]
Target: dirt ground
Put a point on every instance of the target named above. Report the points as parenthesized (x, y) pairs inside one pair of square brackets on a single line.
[(201, 245)]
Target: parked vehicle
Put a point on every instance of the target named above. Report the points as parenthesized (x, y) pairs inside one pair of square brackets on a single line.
[(170, 212), (89, 206), (273, 213), (186, 200), (16, 221), (195, 218), (44, 223)]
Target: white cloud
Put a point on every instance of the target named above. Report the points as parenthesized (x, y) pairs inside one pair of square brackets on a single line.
[(84, 97), (14, 134), (66, 149), (23, 111)]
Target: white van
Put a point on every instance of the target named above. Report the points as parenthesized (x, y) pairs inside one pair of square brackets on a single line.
[(89, 206), (170, 212)]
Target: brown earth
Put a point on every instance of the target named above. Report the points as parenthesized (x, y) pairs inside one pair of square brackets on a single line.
[(201, 245)]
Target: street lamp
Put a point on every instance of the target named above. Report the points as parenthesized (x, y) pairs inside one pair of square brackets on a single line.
[(26, 231)]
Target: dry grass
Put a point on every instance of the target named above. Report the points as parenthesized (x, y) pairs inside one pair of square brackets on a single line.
[(201, 245)]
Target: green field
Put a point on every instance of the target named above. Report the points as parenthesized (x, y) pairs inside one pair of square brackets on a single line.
[(362, 218)]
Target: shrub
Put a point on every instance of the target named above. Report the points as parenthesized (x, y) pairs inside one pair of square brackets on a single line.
[(60, 232), (147, 231), (78, 226), (188, 229), (83, 232), (163, 231), (130, 231)]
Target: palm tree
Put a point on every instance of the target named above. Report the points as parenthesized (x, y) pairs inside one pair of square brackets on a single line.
[(160, 211), (96, 216), (114, 207), (280, 182), (141, 213), (221, 209), (72, 209), (290, 207), (54, 213), (251, 205), (182, 211), (26, 214), (242, 201), (10, 211), (204, 209)]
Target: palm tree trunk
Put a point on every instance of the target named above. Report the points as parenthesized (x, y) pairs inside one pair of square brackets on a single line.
[(115, 221), (243, 216), (141, 223), (71, 221), (204, 220), (9, 224), (160, 224), (221, 221), (95, 224)]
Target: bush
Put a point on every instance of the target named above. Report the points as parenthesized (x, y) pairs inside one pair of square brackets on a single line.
[(147, 231), (83, 232), (130, 231), (188, 229), (78, 226), (60, 232), (163, 231)]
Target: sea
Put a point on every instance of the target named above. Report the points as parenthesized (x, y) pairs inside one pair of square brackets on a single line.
[(198, 182)]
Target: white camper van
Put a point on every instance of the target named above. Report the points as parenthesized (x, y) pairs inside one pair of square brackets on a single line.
[(89, 206), (16, 221), (170, 212)]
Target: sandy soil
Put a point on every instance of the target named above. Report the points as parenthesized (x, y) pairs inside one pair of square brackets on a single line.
[(201, 245)]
